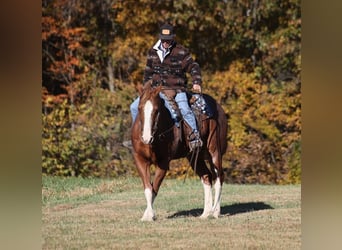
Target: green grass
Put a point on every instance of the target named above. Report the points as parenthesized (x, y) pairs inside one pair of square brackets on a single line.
[(104, 214)]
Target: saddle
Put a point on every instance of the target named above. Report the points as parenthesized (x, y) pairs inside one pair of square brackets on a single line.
[(199, 104)]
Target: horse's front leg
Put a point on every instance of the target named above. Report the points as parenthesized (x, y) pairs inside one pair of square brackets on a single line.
[(149, 214), (151, 192), (143, 168), (160, 173)]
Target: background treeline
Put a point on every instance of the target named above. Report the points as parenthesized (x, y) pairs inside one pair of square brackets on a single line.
[(93, 56)]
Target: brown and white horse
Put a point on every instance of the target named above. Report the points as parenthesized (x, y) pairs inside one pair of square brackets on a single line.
[(156, 140)]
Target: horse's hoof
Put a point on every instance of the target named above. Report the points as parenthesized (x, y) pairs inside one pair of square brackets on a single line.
[(148, 219), (204, 216), (216, 215), (149, 215)]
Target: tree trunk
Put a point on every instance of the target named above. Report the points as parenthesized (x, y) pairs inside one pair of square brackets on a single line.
[(110, 73)]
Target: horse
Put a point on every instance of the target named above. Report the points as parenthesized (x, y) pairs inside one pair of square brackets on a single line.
[(157, 140)]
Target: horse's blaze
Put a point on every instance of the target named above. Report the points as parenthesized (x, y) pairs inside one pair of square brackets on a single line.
[(147, 126)]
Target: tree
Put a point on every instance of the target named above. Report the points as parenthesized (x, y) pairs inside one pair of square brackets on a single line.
[(93, 60)]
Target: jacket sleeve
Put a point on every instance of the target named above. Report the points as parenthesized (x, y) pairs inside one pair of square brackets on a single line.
[(148, 72), (192, 68)]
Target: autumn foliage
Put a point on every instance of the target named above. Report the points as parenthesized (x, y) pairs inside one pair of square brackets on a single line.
[(93, 56)]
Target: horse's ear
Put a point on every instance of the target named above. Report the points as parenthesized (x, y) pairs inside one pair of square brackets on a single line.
[(139, 87)]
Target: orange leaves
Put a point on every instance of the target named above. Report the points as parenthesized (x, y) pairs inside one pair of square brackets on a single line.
[(49, 27), (264, 120), (88, 45), (51, 101), (74, 61), (74, 31), (61, 47)]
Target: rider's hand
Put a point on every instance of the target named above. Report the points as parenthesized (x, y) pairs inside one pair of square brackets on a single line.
[(196, 88)]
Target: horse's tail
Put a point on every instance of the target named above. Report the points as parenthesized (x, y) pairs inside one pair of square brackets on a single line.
[(222, 129), (218, 129)]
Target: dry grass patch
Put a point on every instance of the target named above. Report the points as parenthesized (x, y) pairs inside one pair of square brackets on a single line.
[(253, 217)]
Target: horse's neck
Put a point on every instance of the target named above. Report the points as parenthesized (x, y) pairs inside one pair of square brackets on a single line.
[(165, 117)]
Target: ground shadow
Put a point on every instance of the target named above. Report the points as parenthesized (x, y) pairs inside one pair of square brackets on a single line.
[(233, 209)]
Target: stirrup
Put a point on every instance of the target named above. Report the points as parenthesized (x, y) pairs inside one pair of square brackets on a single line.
[(195, 140), (197, 143)]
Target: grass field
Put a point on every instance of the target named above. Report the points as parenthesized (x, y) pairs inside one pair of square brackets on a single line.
[(104, 214)]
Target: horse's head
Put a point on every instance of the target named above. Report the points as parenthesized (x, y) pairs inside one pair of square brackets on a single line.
[(149, 107)]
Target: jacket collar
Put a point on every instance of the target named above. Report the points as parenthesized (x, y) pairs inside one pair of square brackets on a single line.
[(157, 45), (160, 52)]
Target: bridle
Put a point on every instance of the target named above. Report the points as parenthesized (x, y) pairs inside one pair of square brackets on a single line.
[(155, 127), (156, 120)]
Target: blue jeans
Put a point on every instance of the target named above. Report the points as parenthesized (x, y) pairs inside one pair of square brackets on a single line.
[(182, 102)]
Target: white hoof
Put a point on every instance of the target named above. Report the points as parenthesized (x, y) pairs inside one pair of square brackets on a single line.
[(205, 215), (148, 216), (216, 215), (147, 219), (217, 212)]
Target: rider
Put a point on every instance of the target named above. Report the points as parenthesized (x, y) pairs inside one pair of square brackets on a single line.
[(168, 62)]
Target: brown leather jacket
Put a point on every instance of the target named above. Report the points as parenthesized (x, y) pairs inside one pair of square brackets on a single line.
[(172, 71)]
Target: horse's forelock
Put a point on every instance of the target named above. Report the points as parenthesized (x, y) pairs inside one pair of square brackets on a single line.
[(146, 92)]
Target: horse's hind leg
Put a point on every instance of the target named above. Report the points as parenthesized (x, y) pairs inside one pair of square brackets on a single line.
[(206, 178), (216, 168), (208, 198), (217, 199)]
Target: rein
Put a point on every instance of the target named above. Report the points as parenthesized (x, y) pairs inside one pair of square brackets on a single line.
[(156, 122), (155, 128), (173, 88), (165, 132), (195, 154)]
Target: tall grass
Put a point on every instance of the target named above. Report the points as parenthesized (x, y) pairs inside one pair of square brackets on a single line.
[(104, 214)]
